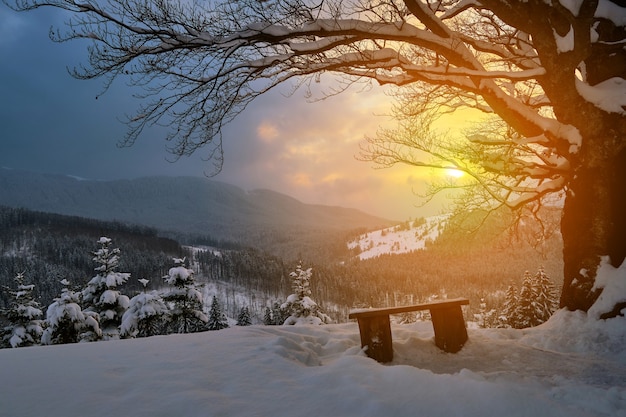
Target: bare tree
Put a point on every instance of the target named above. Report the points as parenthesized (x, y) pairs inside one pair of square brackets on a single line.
[(553, 72)]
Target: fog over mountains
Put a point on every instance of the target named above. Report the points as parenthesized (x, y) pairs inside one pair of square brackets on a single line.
[(184, 205)]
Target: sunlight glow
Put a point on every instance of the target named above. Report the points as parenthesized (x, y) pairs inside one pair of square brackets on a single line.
[(456, 173)]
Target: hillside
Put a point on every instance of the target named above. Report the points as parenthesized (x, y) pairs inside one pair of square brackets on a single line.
[(403, 238), (187, 206)]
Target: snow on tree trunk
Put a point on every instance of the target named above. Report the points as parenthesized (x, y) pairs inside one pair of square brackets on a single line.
[(593, 226)]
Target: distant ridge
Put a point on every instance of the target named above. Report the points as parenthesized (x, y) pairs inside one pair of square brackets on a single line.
[(185, 205)]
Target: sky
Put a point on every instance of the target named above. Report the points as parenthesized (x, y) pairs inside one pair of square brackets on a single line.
[(53, 123)]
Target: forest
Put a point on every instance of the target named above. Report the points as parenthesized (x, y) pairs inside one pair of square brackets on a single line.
[(49, 248)]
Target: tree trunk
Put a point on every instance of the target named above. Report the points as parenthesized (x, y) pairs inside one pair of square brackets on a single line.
[(593, 225)]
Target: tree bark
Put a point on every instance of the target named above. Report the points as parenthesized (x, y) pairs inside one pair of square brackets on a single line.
[(593, 225)]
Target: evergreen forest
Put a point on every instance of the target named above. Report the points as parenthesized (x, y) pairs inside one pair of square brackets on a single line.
[(55, 254)]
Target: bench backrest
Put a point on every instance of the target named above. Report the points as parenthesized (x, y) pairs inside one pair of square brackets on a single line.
[(443, 304)]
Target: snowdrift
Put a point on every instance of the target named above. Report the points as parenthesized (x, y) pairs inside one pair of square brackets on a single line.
[(570, 366)]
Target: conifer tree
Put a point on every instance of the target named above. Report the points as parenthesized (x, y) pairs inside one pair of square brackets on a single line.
[(527, 307), (267, 317), (184, 300), (546, 298), (217, 318), (279, 314), (301, 308), (24, 316), (244, 317), (510, 310), (101, 295), (486, 317), (145, 316), (66, 322)]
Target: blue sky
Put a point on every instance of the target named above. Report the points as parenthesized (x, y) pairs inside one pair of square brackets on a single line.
[(51, 122)]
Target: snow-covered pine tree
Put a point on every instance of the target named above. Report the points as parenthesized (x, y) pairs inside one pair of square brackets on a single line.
[(24, 316), (184, 300), (267, 317), (546, 299), (300, 307), (510, 311), (101, 295), (146, 316), (528, 311), (279, 314), (486, 317), (244, 317), (65, 321), (217, 318)]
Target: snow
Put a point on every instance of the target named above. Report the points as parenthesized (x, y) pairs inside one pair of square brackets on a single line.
[(396, 240), (613, 282), (570, 366), (565, 43), (178, 272), (609, 95), (612, 11)]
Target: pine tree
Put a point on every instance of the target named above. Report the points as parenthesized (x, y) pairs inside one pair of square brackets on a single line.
[(217, 318), (486, 317), (279, 314), (24, 316), (145, 316), (185, 300), (527, 308), (267, 317), (546, 299), (511, 308), (66, 322), (301, 308), (244, 317), (101, 295)]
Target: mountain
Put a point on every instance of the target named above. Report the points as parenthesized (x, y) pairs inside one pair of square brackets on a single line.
[(188, 206)]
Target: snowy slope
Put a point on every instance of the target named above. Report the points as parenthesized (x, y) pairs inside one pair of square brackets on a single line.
[(398, 239), (570, 366)]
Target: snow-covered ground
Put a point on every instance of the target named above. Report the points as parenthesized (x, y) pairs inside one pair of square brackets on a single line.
[(571, 366), (395, 240)]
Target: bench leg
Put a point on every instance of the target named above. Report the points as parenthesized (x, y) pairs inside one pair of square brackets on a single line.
[(376, 335), (450, 330)]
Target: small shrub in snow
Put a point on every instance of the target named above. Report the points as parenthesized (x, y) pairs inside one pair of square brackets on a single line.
[(300, 307)]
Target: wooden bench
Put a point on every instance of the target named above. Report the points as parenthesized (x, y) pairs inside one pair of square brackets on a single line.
[(446, 315)]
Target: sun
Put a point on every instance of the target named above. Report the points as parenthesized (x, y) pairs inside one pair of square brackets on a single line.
[(455, 173)]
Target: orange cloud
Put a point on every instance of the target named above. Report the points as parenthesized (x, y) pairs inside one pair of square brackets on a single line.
[(267, 132)]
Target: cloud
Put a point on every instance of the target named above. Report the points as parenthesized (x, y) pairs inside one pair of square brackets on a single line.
[(267, 131), (304, 149)]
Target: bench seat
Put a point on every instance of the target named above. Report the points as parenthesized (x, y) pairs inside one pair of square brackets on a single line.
[(446, 315)]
